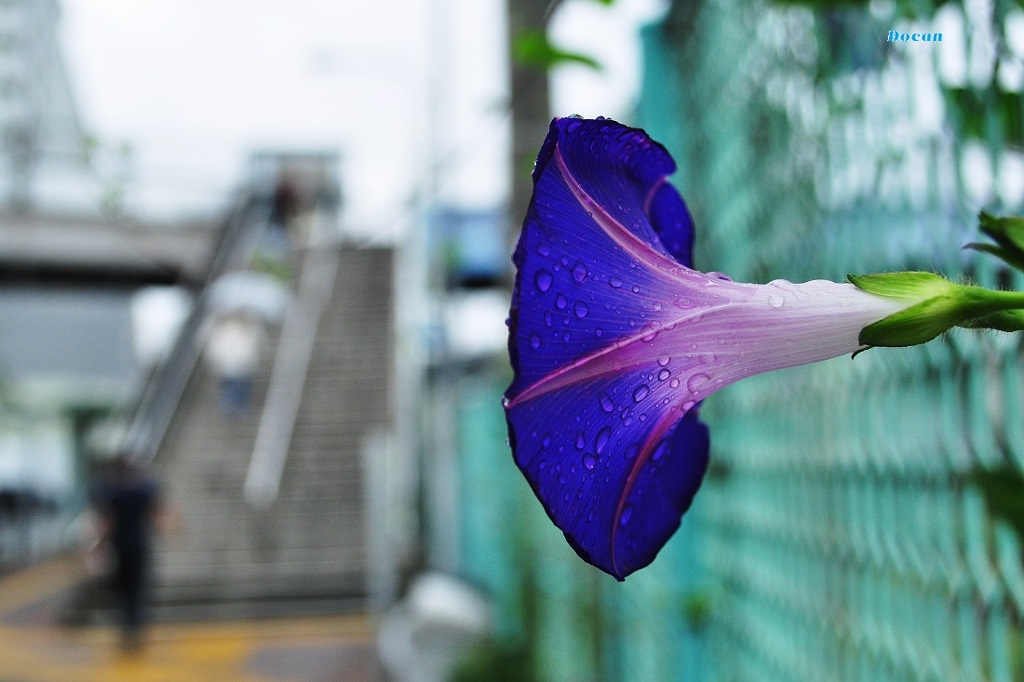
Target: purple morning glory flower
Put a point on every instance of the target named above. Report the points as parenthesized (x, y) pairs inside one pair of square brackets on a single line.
[(615, 340)]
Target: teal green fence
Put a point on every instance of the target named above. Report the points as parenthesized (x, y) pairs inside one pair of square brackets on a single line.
[(852, 528), (861, 519)]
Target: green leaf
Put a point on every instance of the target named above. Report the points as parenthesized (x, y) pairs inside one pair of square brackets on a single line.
[(1008, 233), (532, 48)]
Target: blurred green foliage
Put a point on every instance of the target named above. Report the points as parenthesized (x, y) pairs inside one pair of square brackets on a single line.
[(532, 48), (1003, 491), (987, 113), (697, 610), (494, 661)]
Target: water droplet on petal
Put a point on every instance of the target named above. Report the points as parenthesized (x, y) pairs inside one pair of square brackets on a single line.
[(776, 300), (548, 320), (544, 249), (534, 340), (664, 374), (663, 362), (581, 309), (636, 289), (543, 280), (565, 337), (627, 513), (607, 404), (589, 461), (546, 440), (640, 393), (598, 332), (696, 381), (615, 282), (674, 383), (602, 439), (631, 450), (561, 301), (660, 450), (581, 440), (579, 273)]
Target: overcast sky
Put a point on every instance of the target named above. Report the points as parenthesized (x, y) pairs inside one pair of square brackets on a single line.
[(194, 86)]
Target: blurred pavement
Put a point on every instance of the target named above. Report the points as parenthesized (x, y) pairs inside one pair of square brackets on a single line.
[(35, 648)]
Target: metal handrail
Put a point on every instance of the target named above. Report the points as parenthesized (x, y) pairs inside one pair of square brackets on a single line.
[(155, 409), (288, 378)]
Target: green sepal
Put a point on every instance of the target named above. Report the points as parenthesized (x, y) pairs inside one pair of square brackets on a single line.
[(909, 286), (1005, 321), (919, 323)]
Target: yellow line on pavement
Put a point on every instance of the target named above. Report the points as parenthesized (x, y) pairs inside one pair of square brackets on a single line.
[(172, 652)]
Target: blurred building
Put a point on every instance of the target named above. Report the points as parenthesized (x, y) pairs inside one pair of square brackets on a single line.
[(70, 271), (44, 163)]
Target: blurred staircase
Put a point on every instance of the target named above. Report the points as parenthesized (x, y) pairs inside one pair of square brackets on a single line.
[(305, 550), (298, 544)]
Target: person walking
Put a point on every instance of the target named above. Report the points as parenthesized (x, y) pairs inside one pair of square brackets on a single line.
[(127, 501)]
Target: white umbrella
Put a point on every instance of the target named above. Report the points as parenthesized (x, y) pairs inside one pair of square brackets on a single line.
[(255, 293)]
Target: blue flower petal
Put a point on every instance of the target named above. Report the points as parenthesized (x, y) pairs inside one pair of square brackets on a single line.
[(616, 458), (568, 299), (614, 465)]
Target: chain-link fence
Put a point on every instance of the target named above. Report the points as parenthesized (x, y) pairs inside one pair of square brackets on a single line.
[(861, 519)]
